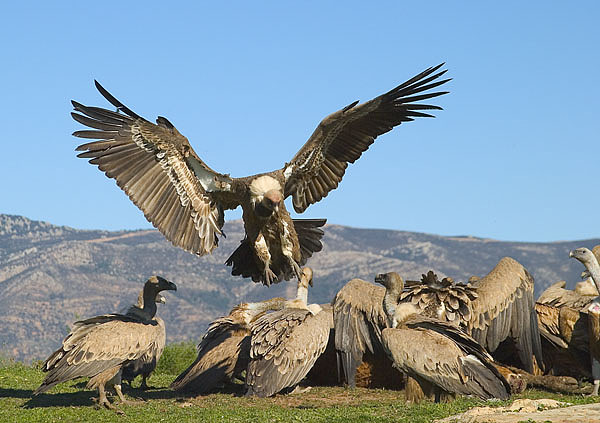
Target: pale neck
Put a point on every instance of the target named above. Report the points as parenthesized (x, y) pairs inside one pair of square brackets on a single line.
[(302, 294), (594, 268), (390, 302)]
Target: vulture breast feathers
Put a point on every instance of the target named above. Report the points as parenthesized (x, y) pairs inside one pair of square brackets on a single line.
[(185, 199)]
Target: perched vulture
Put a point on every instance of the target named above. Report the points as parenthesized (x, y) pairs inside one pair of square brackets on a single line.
[(590, 262), (442, 358), (224, 351), (495, 308), (185, 199), (565, 340), (286, 344), (101, 346), (146, 364), (359, 319)]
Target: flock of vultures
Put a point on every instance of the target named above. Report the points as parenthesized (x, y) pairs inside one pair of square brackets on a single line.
[(436, 338)]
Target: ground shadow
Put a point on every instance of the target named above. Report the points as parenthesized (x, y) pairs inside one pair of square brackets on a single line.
[(15, 393), (83, 398)]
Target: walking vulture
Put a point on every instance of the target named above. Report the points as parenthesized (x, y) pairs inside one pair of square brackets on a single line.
[(437, 354), (99, 347), (185, 199)]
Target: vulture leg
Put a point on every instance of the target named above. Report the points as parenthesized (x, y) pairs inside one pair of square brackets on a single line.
[(595, 375), (144, 386)]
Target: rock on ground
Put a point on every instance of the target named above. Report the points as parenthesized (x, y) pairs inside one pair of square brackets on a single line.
[(525, 410)]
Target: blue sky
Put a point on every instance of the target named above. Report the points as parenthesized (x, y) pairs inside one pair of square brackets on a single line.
[(512, 156)]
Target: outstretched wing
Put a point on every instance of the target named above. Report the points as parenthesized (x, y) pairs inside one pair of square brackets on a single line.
[(160, 172), (343, 136), (505, 308)]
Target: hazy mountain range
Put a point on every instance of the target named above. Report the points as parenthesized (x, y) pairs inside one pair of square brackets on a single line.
[(51, 276)]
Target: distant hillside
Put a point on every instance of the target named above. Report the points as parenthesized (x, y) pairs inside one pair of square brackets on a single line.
[(51, 276)]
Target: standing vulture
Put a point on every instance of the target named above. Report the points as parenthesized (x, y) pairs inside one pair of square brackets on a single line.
[(286, 344), (437, 354), (224, 351), (185, 199), (590, 262), (496, 307), (101, 346), (147, 363)]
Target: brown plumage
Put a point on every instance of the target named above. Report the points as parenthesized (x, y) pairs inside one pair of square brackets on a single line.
[(99, 347), (185, 199), (285, 344), (437, 354), (495, 308), (492, 309), (224, 351), (565, 340), (590, 261), (146, 364), (359, 319)]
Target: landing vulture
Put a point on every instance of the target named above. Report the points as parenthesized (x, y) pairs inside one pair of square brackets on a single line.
[(286, 344), (496, 307), (437, 354), (99, 347), (185, 199), (146, 364), (224, 351)]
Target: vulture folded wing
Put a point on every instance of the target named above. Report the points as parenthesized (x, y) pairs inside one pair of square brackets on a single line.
[(442, 354), (285, 346), (217, 362), (358, 319), (98, 344), (558, 296), (343, 136), (505, 308), (548, 324), (160, 172), (148, 361)]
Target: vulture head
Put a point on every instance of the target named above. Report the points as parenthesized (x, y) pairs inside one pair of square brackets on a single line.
[(307, 277), (584, 255), (158, 283), (266, 195), (392, 281)]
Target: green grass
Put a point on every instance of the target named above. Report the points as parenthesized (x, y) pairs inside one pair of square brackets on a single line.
[(70, 401)]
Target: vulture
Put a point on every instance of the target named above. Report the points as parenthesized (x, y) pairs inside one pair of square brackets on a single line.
[(286, 344), (185, 199), (224, 351), (494, 308), (147, 363), (590, 262), (442, 358), (101, 346)]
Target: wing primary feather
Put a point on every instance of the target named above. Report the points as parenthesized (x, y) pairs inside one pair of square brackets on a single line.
[(112, 100)]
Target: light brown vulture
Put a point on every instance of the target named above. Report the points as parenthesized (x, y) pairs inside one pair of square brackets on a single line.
[(442, 358), (590, 262), (286, 344), (146, 364), (99, 347), (184, 198), (565, 340), (224, 351), (495, 308)]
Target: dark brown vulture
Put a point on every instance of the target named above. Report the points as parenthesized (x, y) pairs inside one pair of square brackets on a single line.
[(442, 358), (185, 199), (224, 351), (497, 307), (286, 344), (99, 347)]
